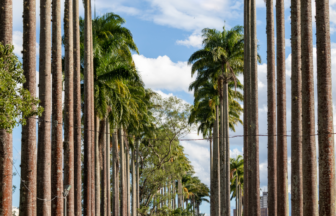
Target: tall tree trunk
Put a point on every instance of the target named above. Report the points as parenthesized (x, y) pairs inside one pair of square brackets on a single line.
[(254, 203), (115, 174), (87, 114), (211, 161), (179, 185), (137, 175), (271, 115), (240, 201), (215, 184), (44, 128), (325, 111), (57, 138), (282, 205), (134, 188), (28, 149), (6, 145), (128, 179), (227, 147), (108, 167), (101, 168), (237, 197), (296, 145), (77, 113), (97, 172), (123, 185), (246, 103), (309, 163), (68, 106)]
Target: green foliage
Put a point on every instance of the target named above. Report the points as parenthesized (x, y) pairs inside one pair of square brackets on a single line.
[(236, 172), (16, 103)]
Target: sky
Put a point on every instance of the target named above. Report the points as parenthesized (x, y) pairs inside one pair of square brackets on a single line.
[(167, 33)]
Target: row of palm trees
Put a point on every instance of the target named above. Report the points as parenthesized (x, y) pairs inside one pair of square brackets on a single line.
[(228, 53)]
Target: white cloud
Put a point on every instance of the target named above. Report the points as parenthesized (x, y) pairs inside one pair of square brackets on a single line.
[(194, 40), (18, 41), (163, 73)]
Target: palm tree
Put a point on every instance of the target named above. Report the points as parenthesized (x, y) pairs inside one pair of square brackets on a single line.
[(44, 130), (6, 29), (254, 204), (237, 181), (77, 112), (325, 112), (309, 165), (69, 105), (115, 174), (271, 100), (87, 113), (28, 156)]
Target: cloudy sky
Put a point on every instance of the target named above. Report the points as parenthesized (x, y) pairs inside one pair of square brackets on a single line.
[(167, 33)]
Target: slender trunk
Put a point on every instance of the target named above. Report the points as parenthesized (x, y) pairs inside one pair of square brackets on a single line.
[(254, 203), (123, 186), (211, 161), (227, 147), (309, 163), (237, 197), (179, 185), (128, 181), (169, 192), (6, 145), (282, 205), (68, 106), (173, 195), (115, 170), (215, 184), (134, 189), (246, 103), (101, 168), (271, 114), (137, 175), (44, 128), (325, 111), (77, 113), (296, 141), (108, 168), (57, 138), (240, 201), (99, 125), (87, 115)]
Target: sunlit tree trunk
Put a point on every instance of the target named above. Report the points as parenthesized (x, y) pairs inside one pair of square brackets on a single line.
[(325, 111), (128, 179), (108, 167), (227, 145), (123, 185), (87, 114), (254, 197), (77, 114), (134, 188), (115, 174), (271, 114), (215, 184), (44, 126), (97, 173), (6, 145), (57, 136)]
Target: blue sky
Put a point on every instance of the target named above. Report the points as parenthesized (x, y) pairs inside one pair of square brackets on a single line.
[(167, 33)]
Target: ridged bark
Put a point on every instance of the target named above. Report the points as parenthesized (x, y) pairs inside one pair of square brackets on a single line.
[(6, 145), (97, 171), (309, 164), (281, 111), (77, 113), (115, 174), (28, 149), (222, 152), (254, 203), (246, 105), (271, 115), (108, 166), (296, 140), (227, 147), (57, 136), (69, 106), (44, 126), (215, 184), (87, 114), (327, 205)]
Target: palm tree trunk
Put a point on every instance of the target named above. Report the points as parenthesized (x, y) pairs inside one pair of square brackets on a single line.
[(227, 143), (97, 151), (101, 169), (87, 115), (44, 129), (237, 197), (128, 181), (137, 174), (115, 174), (215, 184), (240, 201), (108, 168), (246, 103), (309, 164), (281, 102), (134, 188), (6, 145), (123, 186), (254, 203), (77, 113), (271, 115), (57, 138), (211, 161), (68, 106), (296, 145), (180, 201), (325, 111)]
